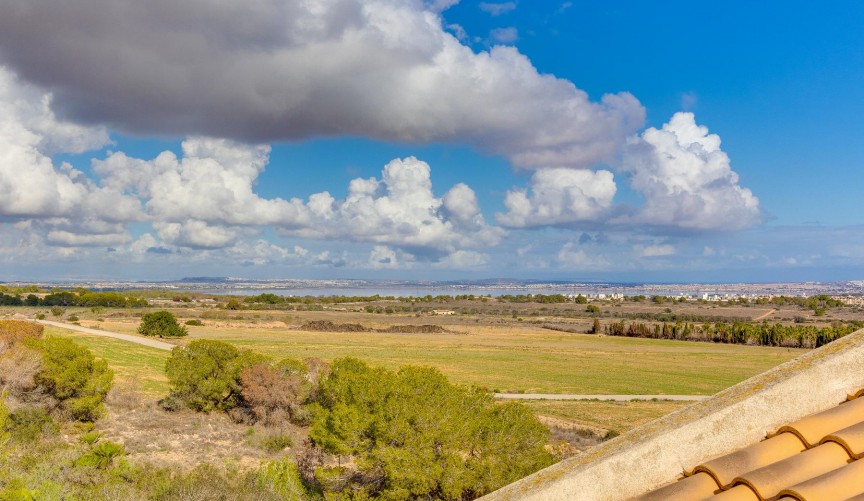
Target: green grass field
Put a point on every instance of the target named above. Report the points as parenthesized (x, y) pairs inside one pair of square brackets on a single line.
[(531, 360), (618, 416), (522, 359)]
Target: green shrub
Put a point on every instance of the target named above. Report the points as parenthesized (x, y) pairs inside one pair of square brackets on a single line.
[(29, 423), (162, 324), (277, 442), (73, 376), (195, 322), (72, 318), (57, 311), (205, 374), (101, 456), (282, 478), (90, 438), (409, 435)]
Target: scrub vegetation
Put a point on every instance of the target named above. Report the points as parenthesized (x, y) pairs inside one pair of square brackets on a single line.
[(353, 398)]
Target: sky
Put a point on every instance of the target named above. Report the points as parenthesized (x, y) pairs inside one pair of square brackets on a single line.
[(432, 139)]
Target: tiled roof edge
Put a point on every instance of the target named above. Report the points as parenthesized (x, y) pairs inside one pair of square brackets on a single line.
[(656, 453)]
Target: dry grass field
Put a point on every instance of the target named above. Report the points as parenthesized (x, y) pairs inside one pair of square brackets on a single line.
[(503, 347), (516, 357)]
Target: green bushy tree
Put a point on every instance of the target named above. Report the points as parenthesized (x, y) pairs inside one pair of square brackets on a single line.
[(73, 376), (162, 324), (412, 434), (205, 375)]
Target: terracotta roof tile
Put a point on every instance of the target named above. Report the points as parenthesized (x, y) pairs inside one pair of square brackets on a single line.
[(836, 485), (856, 395), (852, 438), (817, 458), (698, 486), (811, 429), (724, 469), (769, 480), (737, 493)]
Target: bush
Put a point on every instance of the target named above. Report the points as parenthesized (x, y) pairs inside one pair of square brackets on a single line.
[(195, 322), (409, 435), (271, 394), (13, 332), (29, 423), (101, 456), (73, 376), (205, 374), (162, 324), (72, 318)]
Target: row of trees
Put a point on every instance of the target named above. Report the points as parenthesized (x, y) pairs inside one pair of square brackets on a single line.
[(764, 334), (77, 298)]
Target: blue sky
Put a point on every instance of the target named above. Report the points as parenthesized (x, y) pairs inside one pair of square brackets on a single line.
[(622, 141)]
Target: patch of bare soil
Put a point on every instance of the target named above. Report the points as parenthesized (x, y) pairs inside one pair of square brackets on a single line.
[(569, 438), (185, 439), (415, 329), (328, 326)]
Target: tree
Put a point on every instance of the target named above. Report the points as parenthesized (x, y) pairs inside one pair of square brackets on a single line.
[(162, 324), (409, 435), (205, 375), (73, 376)]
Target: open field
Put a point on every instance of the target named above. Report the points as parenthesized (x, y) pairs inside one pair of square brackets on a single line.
[(516, 358), (604, 414), (508, 358), (503, 347), (134, 365)]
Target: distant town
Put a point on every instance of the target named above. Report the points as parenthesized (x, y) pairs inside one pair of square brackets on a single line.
[(852, 292)]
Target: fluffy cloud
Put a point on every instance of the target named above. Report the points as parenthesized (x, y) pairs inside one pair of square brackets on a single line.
[(575, 258), (267, 70), (560, 196), (61, 201), (400, 209), (212, 182), (206, 200), (687, 180)]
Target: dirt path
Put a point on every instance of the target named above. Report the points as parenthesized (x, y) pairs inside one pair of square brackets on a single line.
[(764, 315), (617, 398), (152, 343)]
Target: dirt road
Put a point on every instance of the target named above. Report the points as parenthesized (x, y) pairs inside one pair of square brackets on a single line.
[(764, 315), (152, 343), (617, 398)]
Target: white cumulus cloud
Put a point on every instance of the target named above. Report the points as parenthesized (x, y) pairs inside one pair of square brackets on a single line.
[(687, 180), (560, 196), (401, 209), (60, 200)]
